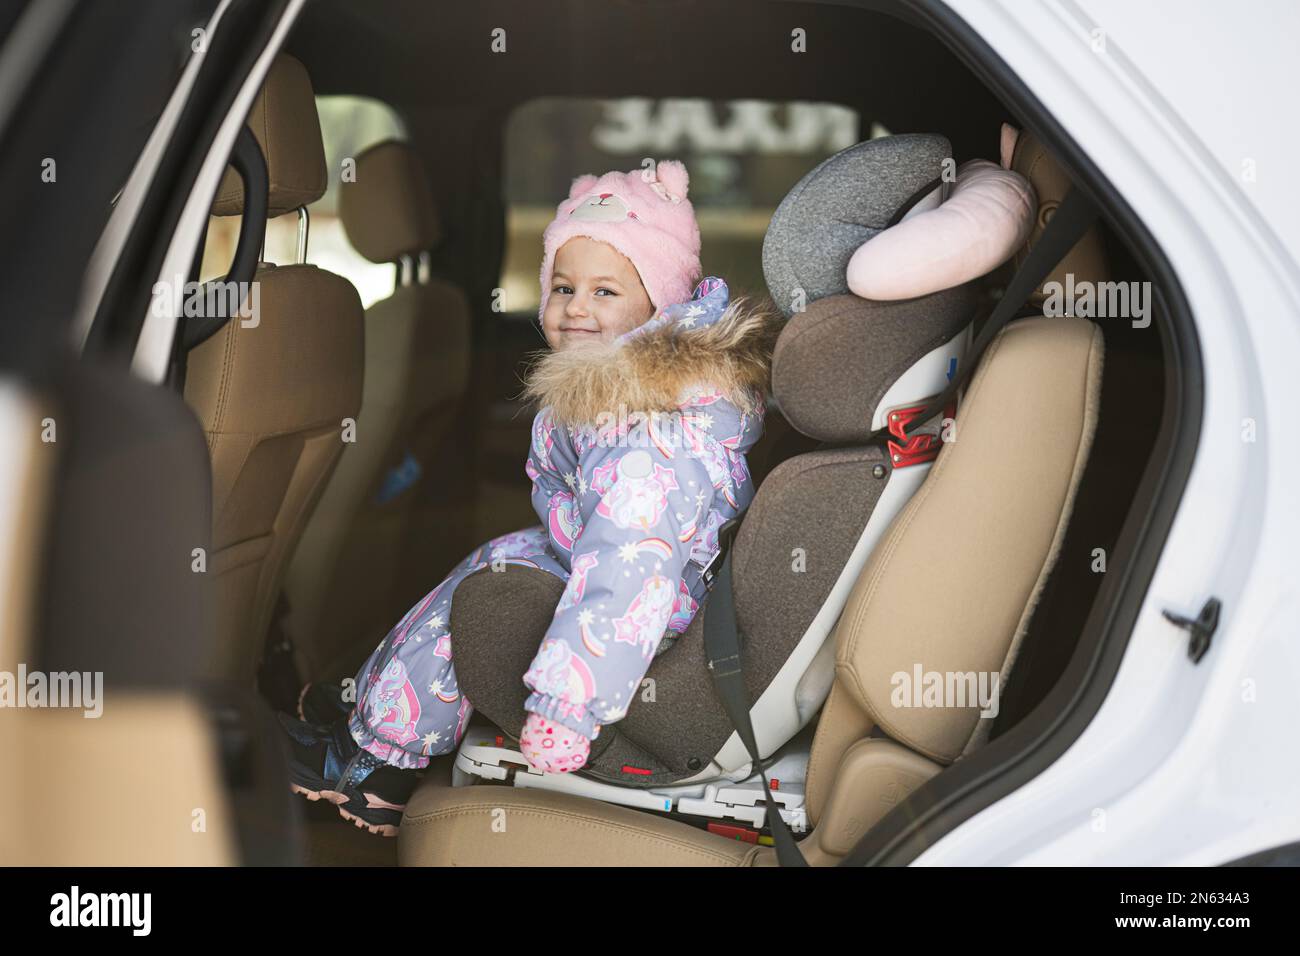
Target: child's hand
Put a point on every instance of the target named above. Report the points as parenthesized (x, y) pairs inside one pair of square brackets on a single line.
[(552, 748)]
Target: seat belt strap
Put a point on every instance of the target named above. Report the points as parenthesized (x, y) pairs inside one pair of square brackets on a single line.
[(722, 648)]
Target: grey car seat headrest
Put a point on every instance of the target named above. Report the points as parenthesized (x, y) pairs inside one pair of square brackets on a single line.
[(838, 206), (839, 354)]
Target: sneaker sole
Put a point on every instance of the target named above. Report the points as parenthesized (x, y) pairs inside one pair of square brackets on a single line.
[(338, 799)]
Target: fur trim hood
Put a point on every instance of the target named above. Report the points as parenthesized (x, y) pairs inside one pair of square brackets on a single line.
[(707, 342)]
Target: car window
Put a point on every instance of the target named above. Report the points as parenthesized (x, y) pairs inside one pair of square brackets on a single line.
[(349, 124), (742, 156)]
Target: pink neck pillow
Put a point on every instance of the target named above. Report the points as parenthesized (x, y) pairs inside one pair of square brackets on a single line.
[(987, 217)]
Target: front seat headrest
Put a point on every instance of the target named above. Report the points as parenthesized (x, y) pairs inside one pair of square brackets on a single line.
[(838, 206), (388, 210), (1087, 260), (284, 122)]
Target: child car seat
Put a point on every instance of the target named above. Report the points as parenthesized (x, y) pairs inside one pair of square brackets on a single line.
[(1038, 380), (843, 367)]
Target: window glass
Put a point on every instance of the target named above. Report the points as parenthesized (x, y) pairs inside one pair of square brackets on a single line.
[(742, 155)]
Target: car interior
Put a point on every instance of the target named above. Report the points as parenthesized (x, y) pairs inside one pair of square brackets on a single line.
[(395, 308)]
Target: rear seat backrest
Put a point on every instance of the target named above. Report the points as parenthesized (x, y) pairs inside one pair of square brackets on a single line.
[(955, 579), (272, 396), (347, 582)]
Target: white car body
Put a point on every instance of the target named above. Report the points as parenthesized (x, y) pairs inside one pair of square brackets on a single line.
[(1179, 105)]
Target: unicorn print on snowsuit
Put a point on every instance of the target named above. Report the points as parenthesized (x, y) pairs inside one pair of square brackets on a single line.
[(565, 676), (394, 706), (644, 621), (638, 496)]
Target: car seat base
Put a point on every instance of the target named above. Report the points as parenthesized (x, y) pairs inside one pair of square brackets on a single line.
[(487, 756)]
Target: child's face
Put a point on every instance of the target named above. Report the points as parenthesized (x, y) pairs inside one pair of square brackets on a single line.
[(596, 295)]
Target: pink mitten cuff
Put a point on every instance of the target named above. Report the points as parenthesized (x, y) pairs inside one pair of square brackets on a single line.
[(552, 747)]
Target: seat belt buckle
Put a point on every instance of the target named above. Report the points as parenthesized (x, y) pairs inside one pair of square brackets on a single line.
[(906, 450), (726, 535)]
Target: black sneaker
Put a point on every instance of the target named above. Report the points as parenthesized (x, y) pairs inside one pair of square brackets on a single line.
[(322, 703), (326, 763)]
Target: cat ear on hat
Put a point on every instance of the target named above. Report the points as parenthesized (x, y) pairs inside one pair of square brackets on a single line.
[(672, 175), (582, 185)]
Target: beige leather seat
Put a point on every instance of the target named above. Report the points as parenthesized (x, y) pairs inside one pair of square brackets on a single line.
[(344, 585), (273, 396), (1087, 259), (950, 589)]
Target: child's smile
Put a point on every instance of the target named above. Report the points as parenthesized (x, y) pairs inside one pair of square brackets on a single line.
[(596, 295)]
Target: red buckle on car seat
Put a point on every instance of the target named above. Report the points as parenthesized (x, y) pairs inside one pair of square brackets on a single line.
[(911, 449), (732, 832)]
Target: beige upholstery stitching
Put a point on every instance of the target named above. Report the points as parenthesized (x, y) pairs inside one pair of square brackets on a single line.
[(266, 135), (227, 363), (318, 427), (252, 559)]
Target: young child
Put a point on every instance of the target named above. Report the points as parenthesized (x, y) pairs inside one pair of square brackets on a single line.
[(651, 396)]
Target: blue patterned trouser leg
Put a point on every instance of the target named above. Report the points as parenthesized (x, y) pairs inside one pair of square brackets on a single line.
[(409, 705)]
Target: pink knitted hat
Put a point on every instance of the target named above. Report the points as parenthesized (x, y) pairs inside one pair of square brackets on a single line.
[(645, 215)]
